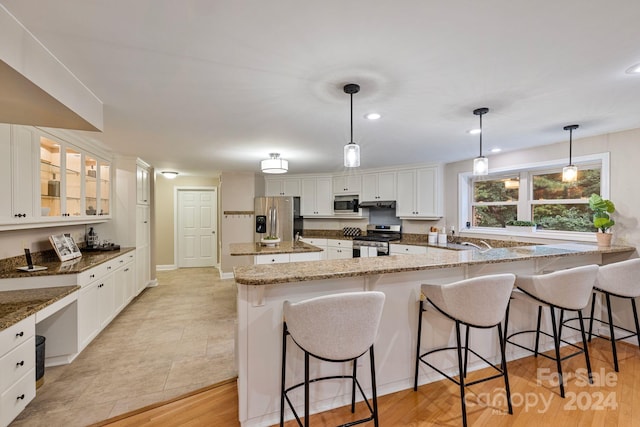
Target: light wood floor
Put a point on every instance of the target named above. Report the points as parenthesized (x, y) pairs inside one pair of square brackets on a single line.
[(613, 399)]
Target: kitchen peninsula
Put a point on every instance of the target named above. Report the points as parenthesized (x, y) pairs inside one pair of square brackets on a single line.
[(278, 253), (262, 289)]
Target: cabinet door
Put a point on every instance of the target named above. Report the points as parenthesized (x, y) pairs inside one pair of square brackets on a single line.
[(24, 157), (107, 299), (143, 272), (308, 197), (72, 203), (291, 187), (369, 187), (347, 184), (324, 197), (387, 185), (6, 211), (88, 314), (428, 193), (142, 186), (273, 187), (120, 288), (339, 253), (405, 196), (104, 188)]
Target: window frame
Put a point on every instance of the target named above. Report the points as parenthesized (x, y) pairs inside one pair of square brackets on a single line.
[(525, 196)]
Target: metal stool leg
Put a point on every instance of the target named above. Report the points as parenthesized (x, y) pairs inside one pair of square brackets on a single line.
[(506, 323), (535, 353), (635, 318), (373, 384), (586, 349), (284, 360), (504, 367), (415, 381), (612, 333), (353, 387), (556, 342), (593, 307), (306, 389), (466, 349), (460, 376)]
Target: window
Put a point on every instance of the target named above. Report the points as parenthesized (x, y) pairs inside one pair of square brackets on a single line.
[(536, 193), (495, 201)]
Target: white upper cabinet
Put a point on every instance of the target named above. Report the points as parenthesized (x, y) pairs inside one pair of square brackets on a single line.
[(282, 187), (142, 186), (379, 186), (18, 186), (316, 198), (419, 194), (347, 184)]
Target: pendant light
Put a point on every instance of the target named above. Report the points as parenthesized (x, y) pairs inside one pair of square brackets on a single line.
[(570, 172), (480, 163), (274, 164), (351, 150)]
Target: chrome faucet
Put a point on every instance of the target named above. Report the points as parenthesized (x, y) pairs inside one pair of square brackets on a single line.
[(486, 244), (476, 246)]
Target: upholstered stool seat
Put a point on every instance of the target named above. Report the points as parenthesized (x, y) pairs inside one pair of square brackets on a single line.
[(620, 280), (566, 290), (479, 302), (333, 328)]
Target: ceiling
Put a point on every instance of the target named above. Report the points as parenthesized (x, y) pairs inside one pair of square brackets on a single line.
[(208, 86)]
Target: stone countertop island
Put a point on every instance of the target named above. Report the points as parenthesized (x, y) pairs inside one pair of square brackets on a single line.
[(262, 290), (237, 249)]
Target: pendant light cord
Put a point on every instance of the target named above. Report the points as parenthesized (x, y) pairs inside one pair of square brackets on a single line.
[(480, 135), (351, 140), (570, 145)]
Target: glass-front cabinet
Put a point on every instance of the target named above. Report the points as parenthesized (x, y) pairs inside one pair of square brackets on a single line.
[(73, 183)]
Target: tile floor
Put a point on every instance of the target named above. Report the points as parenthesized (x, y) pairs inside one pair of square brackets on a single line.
[(172, 339)]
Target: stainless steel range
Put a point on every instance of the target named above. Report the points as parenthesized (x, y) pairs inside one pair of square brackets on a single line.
[(376, 242)]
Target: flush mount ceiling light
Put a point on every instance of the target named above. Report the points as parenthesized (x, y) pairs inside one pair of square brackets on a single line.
[(496, 150), (274, 164), (372, 116), (570, 172), (169, 174), (473, 131), (351, 150), (480, 163)]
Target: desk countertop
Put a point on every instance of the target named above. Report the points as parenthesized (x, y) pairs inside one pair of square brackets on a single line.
[(18, 305)]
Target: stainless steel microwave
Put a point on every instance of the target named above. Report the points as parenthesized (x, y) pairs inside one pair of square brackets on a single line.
[(345, 204)]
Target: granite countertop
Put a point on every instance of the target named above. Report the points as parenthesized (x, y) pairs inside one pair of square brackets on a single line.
[(55, 266), (271, 274), (237, 249), (18, 305)]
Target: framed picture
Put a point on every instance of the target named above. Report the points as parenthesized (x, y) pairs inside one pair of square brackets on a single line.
[(65, 246)]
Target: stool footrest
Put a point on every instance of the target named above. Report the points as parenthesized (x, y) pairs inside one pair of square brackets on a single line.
[(580, 349), (604, 337), (498, 375)]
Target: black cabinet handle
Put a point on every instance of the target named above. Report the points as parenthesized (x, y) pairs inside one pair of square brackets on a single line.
[(109, 268), (21, 397), (91, 276), (20, 334), (20, 363)]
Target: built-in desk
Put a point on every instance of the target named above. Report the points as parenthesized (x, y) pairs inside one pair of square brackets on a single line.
[(262, 289)]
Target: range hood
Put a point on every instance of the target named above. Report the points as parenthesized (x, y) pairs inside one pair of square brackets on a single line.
[(386, 204)]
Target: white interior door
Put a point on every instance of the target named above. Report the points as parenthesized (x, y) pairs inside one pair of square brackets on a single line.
[(197, 219)]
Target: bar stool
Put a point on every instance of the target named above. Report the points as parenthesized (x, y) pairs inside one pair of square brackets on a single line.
[(621, 280), (480, 302), (568, 290), (333, 328)]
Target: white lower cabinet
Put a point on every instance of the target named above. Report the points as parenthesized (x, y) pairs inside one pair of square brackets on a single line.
[(105, 291), (284, 258), (319, 243), (339, 249), (407, 249), (17, 368)]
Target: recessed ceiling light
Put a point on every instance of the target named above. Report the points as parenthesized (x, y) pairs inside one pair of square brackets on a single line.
[(634, 69), (372, 116), (473, 131), (169, 174), (496, 150)]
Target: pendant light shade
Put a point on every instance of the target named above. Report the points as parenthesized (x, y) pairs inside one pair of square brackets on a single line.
[(351, 150), (570, 172), (480, 163), (274, 164)]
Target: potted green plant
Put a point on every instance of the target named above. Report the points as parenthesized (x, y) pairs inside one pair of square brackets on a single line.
[(602, 210), (515, 225)]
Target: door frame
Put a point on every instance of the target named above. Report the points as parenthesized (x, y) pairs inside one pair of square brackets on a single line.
[(176, 220)]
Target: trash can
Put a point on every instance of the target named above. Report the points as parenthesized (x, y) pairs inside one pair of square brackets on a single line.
[(39, 360)]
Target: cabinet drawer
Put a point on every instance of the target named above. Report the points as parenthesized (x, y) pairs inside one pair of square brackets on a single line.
[(340, 243), (15, 364), (272, 259), (408, 249), (98, 272), (16, 334), (321, 243), (14, 400)]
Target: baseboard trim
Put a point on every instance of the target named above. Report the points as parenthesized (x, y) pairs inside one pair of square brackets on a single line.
[(166, 267), (152, 283), (226, 275)]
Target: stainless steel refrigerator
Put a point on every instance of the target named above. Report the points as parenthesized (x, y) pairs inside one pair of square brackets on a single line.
[(277, 216)]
